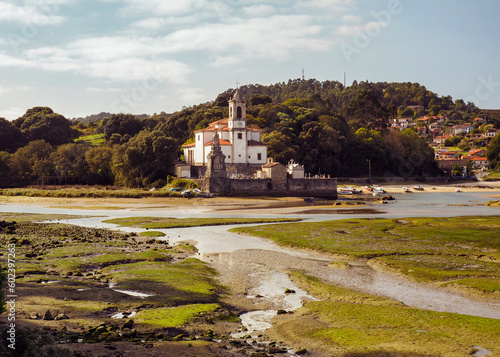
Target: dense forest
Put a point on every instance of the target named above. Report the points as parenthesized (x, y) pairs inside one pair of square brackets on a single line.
[(330, 129)]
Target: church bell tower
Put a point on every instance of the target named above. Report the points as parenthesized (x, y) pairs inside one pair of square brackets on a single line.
[(237, 112)]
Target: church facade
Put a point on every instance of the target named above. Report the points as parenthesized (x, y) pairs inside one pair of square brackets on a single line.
[(241, 144)]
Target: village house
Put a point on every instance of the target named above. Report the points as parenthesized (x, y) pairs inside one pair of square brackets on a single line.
[(479, 120), (439, 140), (461, 129), (477, 152), (478, 162), (490, 133)]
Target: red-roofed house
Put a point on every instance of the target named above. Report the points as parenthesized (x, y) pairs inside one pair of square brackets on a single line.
[(479, 162), (241, 144), (477, 152)]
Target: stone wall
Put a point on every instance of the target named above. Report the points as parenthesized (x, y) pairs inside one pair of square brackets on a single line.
[(326, 188)]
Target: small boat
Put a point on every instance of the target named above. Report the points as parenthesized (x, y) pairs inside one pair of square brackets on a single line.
[(369, 188), (348, 191), (458, 190), (378, 189), (344, 191), (406, 189), (309, 199), (418, 188)]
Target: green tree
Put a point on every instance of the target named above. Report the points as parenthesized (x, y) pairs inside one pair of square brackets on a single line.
[(68, 160), (99, 161), (32, 160), (147, 157), (121, 124), (493, 153), (280, 147), (41, 123), (11, 137), (320, 149)]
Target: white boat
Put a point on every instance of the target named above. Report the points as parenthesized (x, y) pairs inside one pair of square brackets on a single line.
[(418, 188), (458, 190), (348, 191), (406, 189)]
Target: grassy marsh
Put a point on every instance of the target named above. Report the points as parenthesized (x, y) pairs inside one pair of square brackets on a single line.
[(81, 272), (166, 222), (436, 250), (347, 323)]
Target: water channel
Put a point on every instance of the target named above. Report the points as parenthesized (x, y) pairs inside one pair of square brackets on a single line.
[(259, 266)]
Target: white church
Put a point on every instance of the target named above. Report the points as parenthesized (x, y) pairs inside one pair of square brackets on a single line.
[(241, 144)]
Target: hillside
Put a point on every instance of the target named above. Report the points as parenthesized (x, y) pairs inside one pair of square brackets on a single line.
[(329, 129)]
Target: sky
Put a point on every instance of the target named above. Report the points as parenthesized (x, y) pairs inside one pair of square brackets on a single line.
[(83, 57)]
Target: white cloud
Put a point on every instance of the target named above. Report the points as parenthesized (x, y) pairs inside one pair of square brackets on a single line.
[(273, 37), (258, 10), (225, 61), (172, 8), (103, 90), (157, 23), (2, 90), (325, 4), (12, 113), (351, 18), (192, 95), (346, 30), (36, 14), (126, 65)]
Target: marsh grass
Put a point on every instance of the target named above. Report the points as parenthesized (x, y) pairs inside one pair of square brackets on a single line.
[(174, 316), (348, 323), (86, 191), (80, 263), (152, 234), (165, 223), (434, 250)]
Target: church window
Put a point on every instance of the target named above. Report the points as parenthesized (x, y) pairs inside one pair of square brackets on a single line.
[(240, 136), (230, 111), (238, 113), (259, 156)]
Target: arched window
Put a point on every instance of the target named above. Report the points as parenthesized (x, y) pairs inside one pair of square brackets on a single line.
[(238, 113), (230, 112)]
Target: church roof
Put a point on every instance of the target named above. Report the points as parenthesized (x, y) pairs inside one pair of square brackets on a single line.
[(237, 96), (221, 142), (190, 145)]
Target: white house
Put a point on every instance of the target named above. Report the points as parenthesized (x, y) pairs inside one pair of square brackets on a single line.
[(241, 144)]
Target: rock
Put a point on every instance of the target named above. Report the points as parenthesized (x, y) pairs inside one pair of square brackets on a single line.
[(100, 329), (178, 337), (289, 291), (47, 316), (131, 333), (129, 324), (281, 312), (34, 316), (62, 316), (302, 351), (274, 350)]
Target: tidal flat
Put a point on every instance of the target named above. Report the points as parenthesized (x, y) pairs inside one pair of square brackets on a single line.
[(183, 305)]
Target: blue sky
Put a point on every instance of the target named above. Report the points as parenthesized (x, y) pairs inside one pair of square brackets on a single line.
[(147, 56)]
